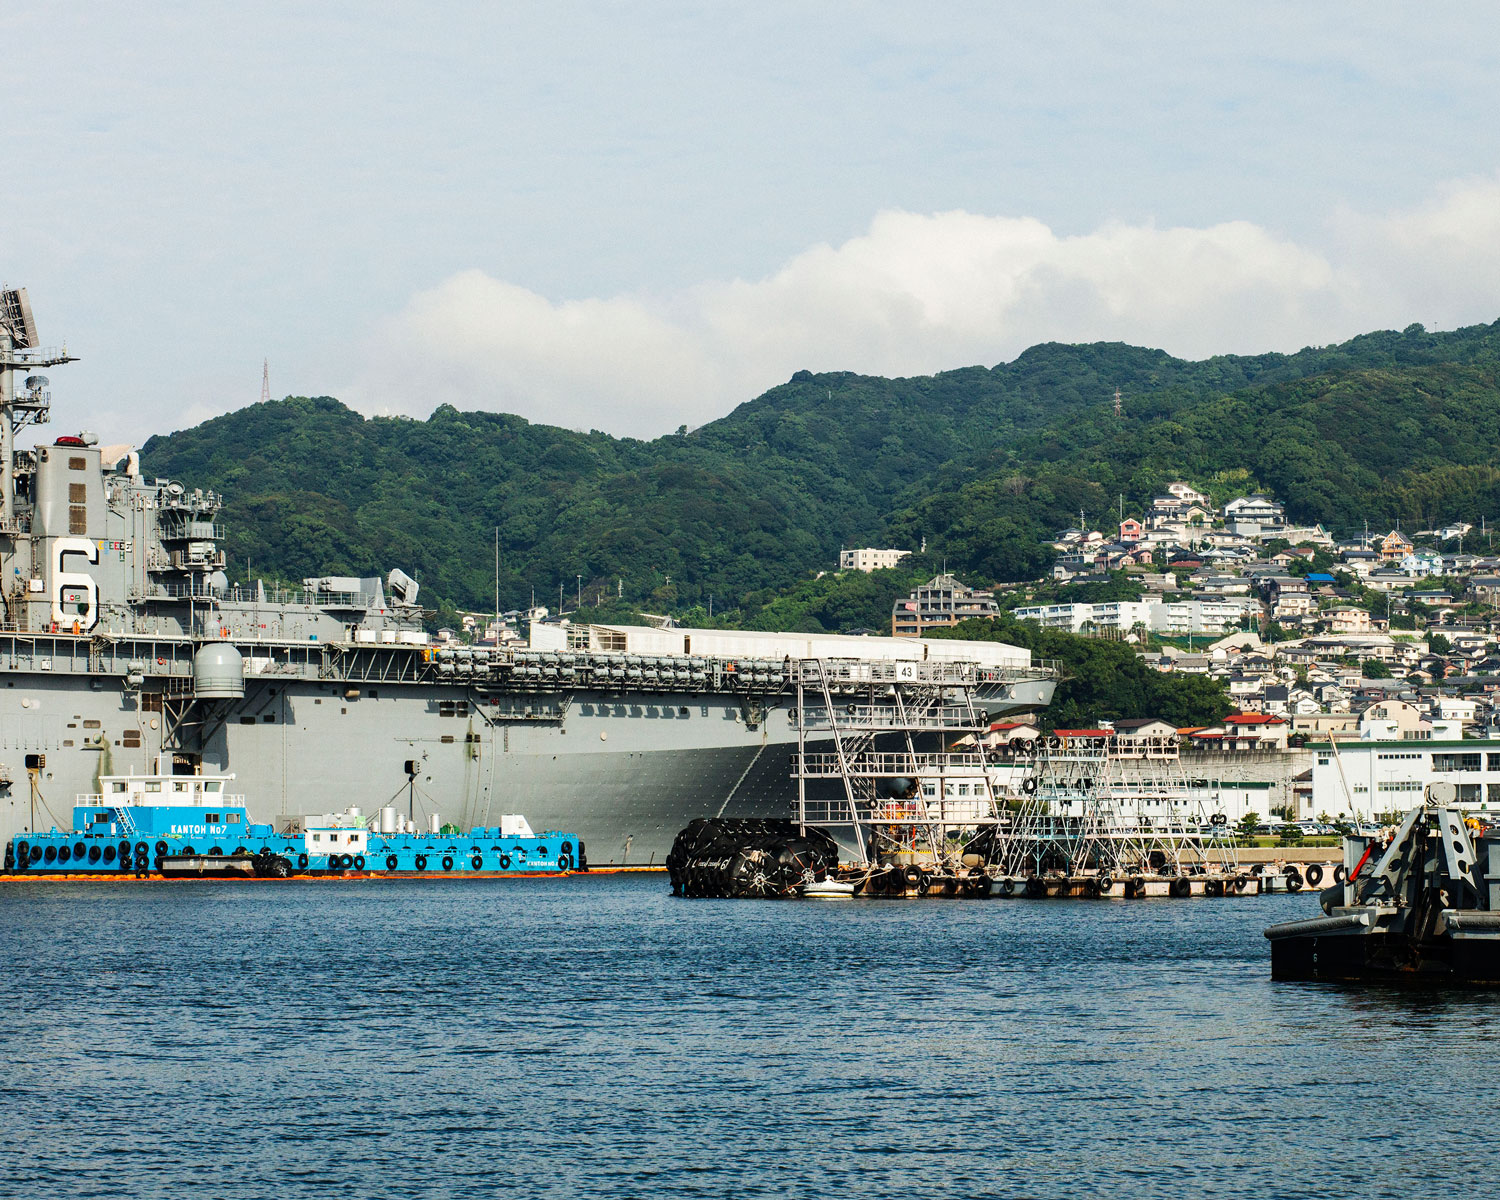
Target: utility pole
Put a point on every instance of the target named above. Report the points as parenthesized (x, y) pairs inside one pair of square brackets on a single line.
[(580, 591)]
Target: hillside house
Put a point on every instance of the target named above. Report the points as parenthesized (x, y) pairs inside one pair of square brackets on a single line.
[(1147, 738), (1394, 546), (1421, 564), (941, 601), (1346, 619), (1188, 494), (1255, 731)]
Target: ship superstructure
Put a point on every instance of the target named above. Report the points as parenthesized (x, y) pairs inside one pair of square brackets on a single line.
[(121, 639)]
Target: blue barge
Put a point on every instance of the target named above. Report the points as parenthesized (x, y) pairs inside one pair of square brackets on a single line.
[(190, 826)]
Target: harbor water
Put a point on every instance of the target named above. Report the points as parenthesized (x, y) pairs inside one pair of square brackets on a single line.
[(595, 1037)]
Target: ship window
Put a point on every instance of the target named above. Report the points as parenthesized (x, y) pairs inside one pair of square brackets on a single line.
[(179, 787), (233, 818), (317, 837), (78, 519), (211, 818), (447, 737), (78, 493), (77, 464), (247, 720), (153, 785), (117, 786), (213, 785), (269, 718), (151, 702), (91, 724)]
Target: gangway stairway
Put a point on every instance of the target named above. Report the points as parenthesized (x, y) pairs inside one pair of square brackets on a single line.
[(898, 735)]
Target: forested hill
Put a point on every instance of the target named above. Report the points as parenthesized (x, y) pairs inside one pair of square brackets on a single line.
[(983, 463)]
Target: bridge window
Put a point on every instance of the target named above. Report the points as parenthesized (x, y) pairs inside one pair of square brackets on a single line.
[(233, 818)]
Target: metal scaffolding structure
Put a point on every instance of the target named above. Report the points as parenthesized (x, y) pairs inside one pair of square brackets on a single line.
[(1081, 810), (886, 775), (891, 759)]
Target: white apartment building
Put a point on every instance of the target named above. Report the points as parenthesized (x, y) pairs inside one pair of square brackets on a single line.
[(1183, 617), (1366, 777), (868, 559), (1123, 615), (1175, 618)]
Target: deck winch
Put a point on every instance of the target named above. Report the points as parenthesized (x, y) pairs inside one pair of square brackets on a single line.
[(1420, 905)]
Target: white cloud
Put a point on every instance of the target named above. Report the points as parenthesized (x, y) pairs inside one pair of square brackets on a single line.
[(922, 293)]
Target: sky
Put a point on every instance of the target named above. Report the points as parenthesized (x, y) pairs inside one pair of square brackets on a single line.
[(633, 217)]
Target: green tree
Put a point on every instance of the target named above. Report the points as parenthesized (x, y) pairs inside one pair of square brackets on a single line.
[(1373, 668), (1249, 825)]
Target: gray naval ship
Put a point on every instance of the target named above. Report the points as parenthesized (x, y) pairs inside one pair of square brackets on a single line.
[(121, 640)]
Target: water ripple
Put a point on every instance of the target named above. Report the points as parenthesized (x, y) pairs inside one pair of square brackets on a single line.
[(595, 1037)]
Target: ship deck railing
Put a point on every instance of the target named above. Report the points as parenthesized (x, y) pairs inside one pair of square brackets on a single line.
[(880, 765), (852, 672), (885, 718)]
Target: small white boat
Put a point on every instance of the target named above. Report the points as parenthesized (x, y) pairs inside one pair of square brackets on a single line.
[(827, 889)]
